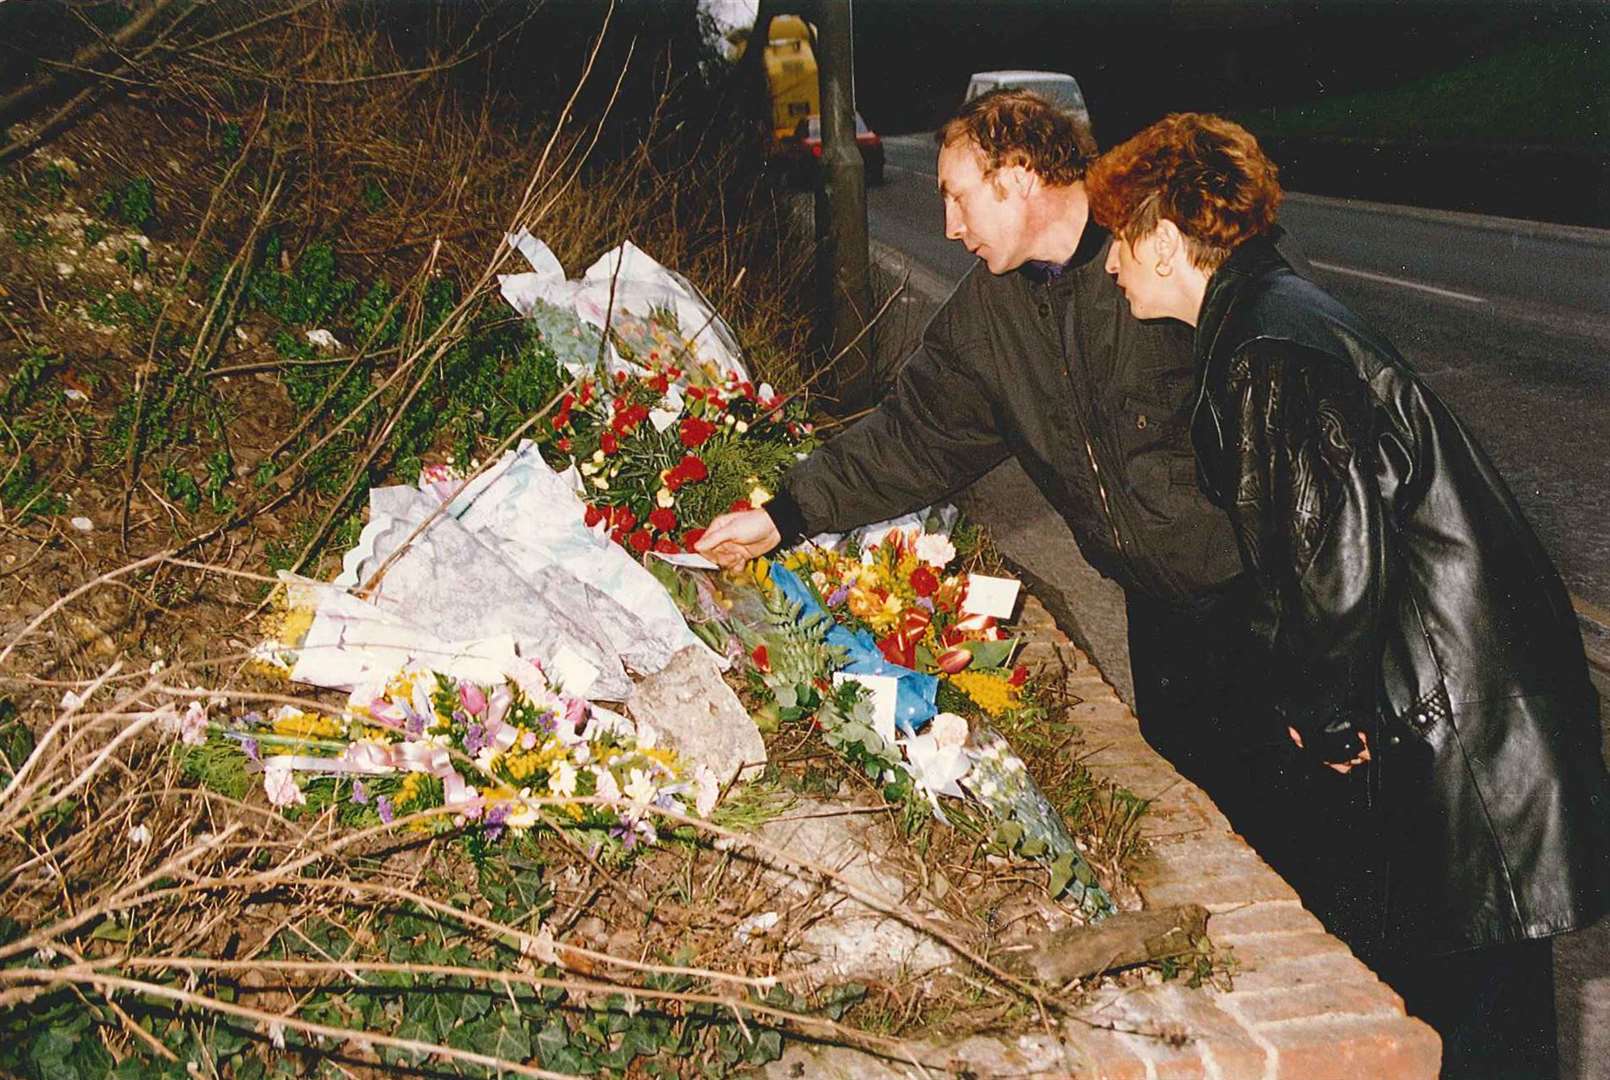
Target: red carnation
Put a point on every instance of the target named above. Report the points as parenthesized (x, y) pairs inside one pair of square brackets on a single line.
[(1020, 675), (624, 518), (739, 506), (663, 520), (640, 540), (691, 469), (761, 657), (691, 538), (659, 382), (924, 582), (561, 418), (666, 546), (563, 445), (608, 443), (695, 432), (592, 516)]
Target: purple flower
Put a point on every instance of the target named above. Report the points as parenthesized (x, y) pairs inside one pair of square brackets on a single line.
[(836, 597), (494, 820), (249, 748), (925, 603), (416, 726), (474, 739), (383, 808), (359, 795)]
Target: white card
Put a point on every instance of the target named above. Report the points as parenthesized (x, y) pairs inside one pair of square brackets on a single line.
[(690, 559), (884, 691), (573, 673), (987, 595)]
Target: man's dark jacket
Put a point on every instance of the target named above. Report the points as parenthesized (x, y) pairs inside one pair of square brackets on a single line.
[(1405, 595), (1053, 369)]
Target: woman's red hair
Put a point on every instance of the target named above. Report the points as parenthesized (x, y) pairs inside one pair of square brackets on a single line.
[(1204, 173)]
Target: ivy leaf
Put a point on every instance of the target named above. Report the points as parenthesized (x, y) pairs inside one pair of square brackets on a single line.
[(1061, 874)]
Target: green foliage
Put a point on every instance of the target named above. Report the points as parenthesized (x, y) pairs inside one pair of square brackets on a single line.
[(125, 308), (181, 487), (133, 202), (31, 234), (311, 293), (25, 382), (230, 140), (26, 494), (16, 740)]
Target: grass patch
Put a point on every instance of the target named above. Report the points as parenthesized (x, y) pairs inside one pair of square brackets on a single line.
[(1548, 92)]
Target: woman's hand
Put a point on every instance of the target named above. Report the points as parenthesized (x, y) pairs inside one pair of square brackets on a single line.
[(734, 539), (1343, 767)]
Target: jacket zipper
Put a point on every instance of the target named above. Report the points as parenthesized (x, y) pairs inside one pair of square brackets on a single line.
[(1101, 489), (1090, 451)]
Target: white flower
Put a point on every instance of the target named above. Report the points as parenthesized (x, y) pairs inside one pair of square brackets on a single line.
[(949, 730), (582, 754), (741, 426), (276, 1034), (708, 790), (640, 787), (140, 834), (193, 725), (759, 496), (935, 549), (664, 499), (562, 781), (280, 784), (604, 783), (600, 483), (647, 737)]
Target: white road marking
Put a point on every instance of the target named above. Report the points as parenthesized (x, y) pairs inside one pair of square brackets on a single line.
[(1389, 280)]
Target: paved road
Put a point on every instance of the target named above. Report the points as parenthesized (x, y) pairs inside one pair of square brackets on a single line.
[(1509, 323)]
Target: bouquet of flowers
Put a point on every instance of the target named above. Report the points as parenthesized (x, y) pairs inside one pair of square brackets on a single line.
[(494, 755), (899, 591), (662, 453)]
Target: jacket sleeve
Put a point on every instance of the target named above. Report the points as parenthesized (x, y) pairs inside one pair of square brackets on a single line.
[(936, 431), (1312, 526)]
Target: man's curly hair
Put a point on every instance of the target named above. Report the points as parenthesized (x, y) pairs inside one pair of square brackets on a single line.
[(1204, 173), (1017, 127)]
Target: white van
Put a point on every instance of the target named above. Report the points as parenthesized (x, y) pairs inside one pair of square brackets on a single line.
[(1054, 86)]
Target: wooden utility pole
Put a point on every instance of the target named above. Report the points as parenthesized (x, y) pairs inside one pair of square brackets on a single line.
[(841, 253)]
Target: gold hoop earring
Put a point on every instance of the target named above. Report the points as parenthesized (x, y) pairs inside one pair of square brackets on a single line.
[(1164, 269)]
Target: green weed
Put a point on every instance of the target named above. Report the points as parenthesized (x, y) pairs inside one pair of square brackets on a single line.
[(132, 202)]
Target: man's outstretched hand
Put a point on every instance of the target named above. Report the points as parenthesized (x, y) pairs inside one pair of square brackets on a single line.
[(734, 539)]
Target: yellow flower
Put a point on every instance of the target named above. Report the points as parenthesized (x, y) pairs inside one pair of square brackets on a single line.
[(306, 725), (991, 692)]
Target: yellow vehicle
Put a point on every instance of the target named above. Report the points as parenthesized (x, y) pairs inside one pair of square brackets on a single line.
[(791, 74)]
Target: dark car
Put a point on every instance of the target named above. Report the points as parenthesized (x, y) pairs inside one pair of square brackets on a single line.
[(805, 148)]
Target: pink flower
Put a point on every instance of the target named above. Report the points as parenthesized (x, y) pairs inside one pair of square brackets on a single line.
[(193, 725), (472, 697), (281, 787)]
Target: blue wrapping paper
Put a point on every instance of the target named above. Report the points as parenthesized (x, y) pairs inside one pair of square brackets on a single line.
[(914, 693)]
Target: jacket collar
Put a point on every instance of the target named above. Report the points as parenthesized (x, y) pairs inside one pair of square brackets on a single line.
[(1250, 260), (1092, 245)]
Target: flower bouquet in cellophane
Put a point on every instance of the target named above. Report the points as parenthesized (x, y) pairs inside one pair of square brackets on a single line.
[(899, 590), (660, 454), (495, 757)]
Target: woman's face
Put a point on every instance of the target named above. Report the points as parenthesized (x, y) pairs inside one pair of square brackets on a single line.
[(1135, 265)]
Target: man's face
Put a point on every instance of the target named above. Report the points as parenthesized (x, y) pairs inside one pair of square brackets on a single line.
[(987, 216)]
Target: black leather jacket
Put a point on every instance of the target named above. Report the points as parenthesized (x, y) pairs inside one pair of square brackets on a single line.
[(1094, 403), (1405, 595)]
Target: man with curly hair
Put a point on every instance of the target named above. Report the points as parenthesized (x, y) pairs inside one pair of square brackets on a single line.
[(1036, 356)]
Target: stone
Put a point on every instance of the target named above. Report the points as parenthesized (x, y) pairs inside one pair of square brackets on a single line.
[(852, 940), (696, 713)]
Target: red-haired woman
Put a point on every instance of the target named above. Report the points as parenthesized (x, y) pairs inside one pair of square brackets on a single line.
[(1423, 641)]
